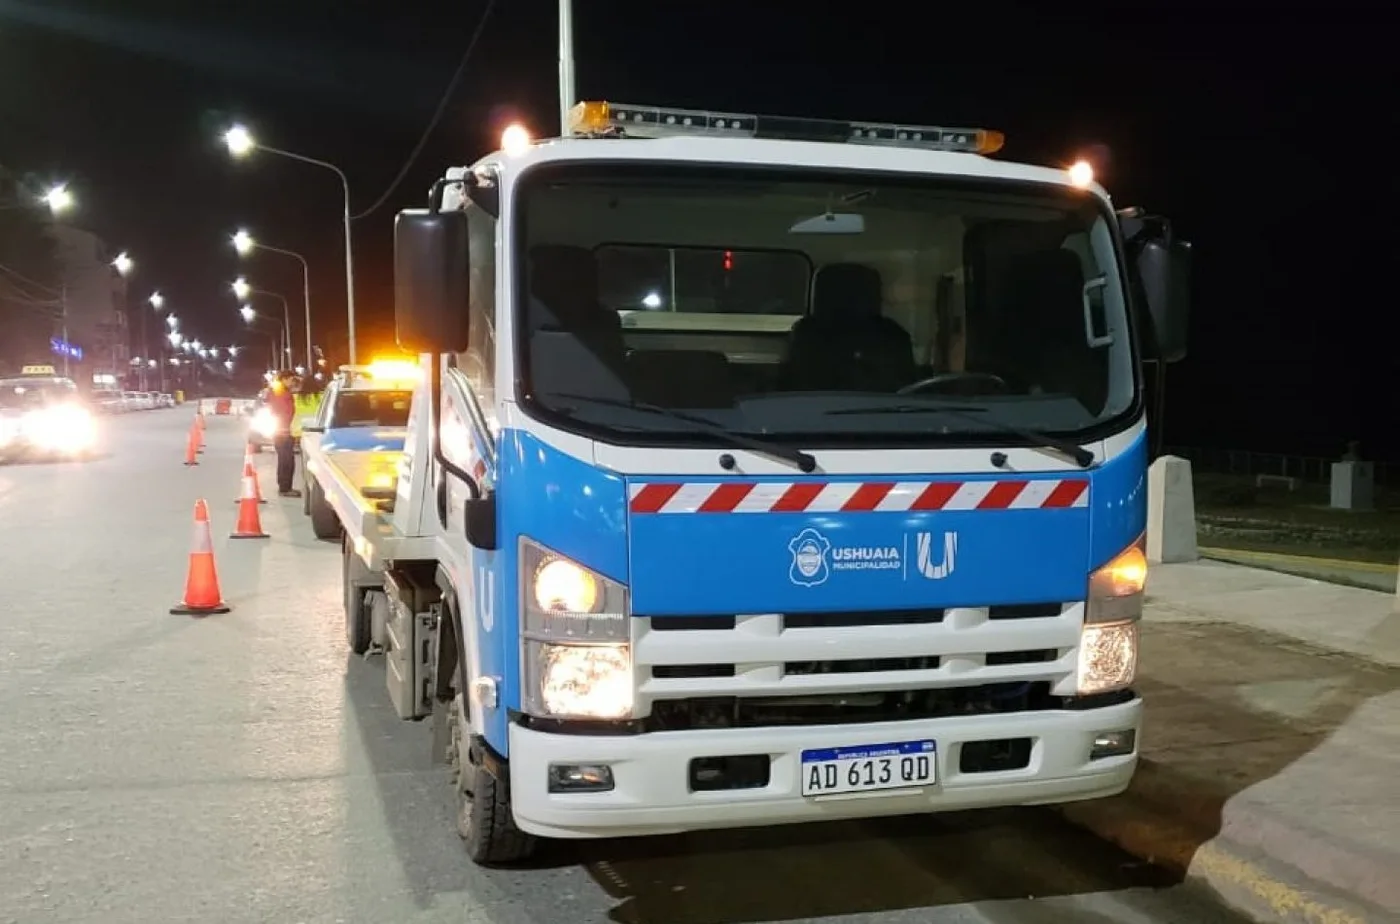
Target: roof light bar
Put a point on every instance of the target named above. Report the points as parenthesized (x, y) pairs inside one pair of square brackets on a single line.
[(623, 120)]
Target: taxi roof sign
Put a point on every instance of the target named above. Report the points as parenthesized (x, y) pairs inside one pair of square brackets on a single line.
[(37, 370)]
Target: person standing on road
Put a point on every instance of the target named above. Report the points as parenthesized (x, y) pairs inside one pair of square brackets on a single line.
[(283, 406)]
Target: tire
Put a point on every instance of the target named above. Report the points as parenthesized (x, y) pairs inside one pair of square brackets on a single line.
[(485, 821), (357, 629), (324, 523)]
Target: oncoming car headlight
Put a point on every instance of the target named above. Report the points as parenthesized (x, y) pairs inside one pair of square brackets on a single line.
[(1108, 643), (263, 423), (574, 628), (62, 429)]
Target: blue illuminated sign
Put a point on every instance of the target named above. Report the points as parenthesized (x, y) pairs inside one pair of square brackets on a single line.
[(64, 348)]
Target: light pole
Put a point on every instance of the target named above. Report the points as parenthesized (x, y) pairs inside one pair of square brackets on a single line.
[(249, 316), (240, 143), (244, 290), (566, 64), (123, 264), (271, 344), (157, 302), (245, 244)]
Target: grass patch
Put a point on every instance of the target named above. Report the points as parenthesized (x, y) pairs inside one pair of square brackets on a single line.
[(1234, 512)]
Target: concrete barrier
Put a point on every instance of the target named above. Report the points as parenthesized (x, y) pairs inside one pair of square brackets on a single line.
[(1171, 511)]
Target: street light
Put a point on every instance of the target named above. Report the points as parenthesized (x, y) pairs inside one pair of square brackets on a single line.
[(172, 321), (245, 244), (248, 313), (157, 301), (59, 199), (241, 288), (123, 263), (175, 337), (240, 143)]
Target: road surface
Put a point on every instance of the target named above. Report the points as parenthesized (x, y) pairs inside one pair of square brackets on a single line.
[(244, 768)]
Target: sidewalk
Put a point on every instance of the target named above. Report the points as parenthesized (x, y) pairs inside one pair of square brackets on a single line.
[(1271, 751)]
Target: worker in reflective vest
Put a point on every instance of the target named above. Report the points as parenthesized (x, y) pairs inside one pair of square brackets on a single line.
[(282, 403)]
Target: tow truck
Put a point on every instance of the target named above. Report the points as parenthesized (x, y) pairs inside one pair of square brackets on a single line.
[(43, 416), (357, 432), (765, 471)]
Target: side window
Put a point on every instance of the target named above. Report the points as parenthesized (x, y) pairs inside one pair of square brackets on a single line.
[(327, 403), (479, 363)]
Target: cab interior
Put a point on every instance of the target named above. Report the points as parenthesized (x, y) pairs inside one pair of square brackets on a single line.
[(720, 291)]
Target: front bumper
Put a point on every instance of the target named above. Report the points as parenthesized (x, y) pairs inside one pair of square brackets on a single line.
[(652, 794)]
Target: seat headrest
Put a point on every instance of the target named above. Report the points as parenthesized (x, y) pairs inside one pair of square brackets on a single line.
[(847, 291)]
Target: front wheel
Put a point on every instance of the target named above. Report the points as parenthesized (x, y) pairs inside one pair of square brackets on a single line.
[(324, 523), (357, 618), (485, 821)]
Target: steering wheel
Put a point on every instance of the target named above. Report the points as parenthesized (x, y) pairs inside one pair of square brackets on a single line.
[(989, 382)]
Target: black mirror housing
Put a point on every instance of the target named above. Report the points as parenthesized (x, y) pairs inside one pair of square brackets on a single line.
[(431, 287), (1163, 267)]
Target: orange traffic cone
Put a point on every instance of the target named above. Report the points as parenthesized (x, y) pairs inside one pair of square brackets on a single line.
[(257, 482), (249, 524), (192, 447), (202, 596)]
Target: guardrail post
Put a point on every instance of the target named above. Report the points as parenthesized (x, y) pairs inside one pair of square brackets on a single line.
[(1171, 511)]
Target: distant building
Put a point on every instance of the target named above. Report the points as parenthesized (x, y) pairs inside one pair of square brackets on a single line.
[(95, 294)]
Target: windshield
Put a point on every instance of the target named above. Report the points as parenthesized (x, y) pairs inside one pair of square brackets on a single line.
[(819, 310), (20, 394), (371, 409)]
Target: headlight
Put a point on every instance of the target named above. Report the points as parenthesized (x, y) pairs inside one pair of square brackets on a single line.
[(264, 424), (574, 625), (60, 429), (1108, 643), (1107, 657)]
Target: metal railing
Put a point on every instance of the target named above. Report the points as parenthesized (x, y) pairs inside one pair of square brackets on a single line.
[(1242, 462)]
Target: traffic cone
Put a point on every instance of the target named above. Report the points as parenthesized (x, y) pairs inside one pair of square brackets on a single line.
[(192, 447), (202, 596), (257, 482), (249, 524)]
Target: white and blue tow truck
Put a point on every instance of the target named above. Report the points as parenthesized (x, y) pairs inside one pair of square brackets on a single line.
[(356, 435), (763, 472)]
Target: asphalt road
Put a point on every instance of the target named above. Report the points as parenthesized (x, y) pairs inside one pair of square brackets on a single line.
[(244, 768)]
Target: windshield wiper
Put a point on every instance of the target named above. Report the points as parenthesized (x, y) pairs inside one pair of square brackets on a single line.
[(1081, 456), (805, 461)]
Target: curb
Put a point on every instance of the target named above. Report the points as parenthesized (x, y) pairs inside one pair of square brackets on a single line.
[(1272, 869)]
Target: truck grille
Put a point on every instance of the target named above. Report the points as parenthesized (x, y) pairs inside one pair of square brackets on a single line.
[(874, 666)]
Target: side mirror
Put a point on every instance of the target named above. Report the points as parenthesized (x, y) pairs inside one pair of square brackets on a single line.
[(1163, 267), (431, 287)]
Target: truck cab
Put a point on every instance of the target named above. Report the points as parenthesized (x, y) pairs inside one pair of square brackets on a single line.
[(772, 472)]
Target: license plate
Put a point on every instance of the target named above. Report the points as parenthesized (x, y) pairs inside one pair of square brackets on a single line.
[(868, 768)]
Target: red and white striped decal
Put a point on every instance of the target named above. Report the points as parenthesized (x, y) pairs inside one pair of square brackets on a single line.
[(857, 496)]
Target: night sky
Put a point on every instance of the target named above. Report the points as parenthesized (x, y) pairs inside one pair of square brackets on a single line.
[(1260, 132)]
